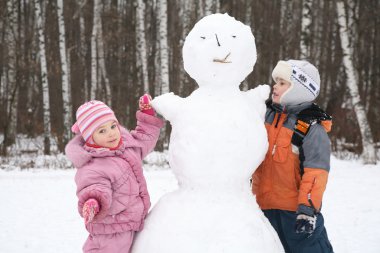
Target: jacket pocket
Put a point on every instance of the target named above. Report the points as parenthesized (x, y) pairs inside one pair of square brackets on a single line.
[(284, 165), (282, 149), (124, 191)]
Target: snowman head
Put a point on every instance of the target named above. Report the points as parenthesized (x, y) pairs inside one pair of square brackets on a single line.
[(219, 50)]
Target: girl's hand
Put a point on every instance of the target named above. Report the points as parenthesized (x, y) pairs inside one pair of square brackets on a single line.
[(144, 104), (90, 209)]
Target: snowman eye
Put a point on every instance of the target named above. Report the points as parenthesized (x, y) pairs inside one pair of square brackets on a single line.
[(203, 37), (234, 36)]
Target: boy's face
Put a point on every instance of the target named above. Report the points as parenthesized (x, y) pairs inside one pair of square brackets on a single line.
[(278, 89), (107, 135)]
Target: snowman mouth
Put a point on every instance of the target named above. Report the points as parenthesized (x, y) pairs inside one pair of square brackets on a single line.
[(224, 60)]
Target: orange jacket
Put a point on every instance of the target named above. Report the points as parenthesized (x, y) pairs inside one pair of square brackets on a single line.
[(277, 182)]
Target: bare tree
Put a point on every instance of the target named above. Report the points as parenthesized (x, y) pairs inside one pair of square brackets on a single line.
[(200, 9), (101, 52), (306, 28), (164, 60), (211, 6), (217, 6), (369, 154), (44, 72), (186, 11), (94, 56), (208, 7), (98, 69), (82, 48), (163, 40), (141, 48), (247, 21), (66, 88), (285, 25), (9, 82)]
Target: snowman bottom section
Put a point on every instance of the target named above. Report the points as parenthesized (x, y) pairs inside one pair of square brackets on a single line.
[(182, 222)]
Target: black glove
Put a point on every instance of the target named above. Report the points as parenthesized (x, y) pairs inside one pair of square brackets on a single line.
[(306, 220)]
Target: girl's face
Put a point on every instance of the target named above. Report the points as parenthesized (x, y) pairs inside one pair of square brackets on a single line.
[(107, 135), (279, 89)]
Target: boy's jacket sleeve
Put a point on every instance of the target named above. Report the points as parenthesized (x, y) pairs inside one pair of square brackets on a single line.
[(316, 148), (312, 187)]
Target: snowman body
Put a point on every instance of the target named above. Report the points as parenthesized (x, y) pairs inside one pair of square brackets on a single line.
[(210, 137), (218, 139)]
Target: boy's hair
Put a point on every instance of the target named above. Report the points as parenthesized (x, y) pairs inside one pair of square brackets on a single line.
[(303, 77), (90, 116)]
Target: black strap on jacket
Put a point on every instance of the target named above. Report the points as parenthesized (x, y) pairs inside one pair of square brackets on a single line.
[(306, 118)]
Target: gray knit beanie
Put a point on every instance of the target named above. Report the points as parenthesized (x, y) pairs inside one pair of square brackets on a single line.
[(304, 79)]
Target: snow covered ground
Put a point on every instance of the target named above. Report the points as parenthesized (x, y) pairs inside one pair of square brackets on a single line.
[(38, 208)]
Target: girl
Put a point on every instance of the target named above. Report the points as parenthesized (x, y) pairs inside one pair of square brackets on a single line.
[(111, 188)]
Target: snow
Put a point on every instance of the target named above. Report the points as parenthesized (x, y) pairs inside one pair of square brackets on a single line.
[(39, 214), (351, 206)]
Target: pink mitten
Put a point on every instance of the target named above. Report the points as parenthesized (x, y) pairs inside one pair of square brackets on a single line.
[(144, 104), (90, 209)]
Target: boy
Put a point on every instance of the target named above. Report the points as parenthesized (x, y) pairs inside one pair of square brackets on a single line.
[(290, 182)]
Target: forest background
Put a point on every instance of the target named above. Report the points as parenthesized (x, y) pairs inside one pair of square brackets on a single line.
[(55, 55)]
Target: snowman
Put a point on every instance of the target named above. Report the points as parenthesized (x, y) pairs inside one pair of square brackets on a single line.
[(218, 139)]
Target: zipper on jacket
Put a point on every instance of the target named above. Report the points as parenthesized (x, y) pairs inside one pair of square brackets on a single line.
[(278, 119), (279, 116)]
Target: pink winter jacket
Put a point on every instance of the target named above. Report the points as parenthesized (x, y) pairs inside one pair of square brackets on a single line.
[(115, 177)]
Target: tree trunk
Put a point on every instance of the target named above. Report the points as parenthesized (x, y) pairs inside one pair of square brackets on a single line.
[(141, 48), (369, 152), (82, 51), (305, 29), (66, 88), (157, 62), (94, 53), (208, 7), (164, 62), (200, 9), (284, 23), (187, 6), (164, 50), (45, 85), (247, 21), (101, 55), (9, 83), (217, 6)]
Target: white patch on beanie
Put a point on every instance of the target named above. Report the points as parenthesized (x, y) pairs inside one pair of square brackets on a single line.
[(282, 70)]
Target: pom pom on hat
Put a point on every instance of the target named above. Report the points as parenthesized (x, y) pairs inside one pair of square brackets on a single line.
[(304, 79), (90, 116), (75, 129)]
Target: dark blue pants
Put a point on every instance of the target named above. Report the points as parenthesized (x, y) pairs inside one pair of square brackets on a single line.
[(284, 224)]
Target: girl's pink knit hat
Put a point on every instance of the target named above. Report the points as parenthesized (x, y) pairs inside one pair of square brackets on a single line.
[(90, 116)]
